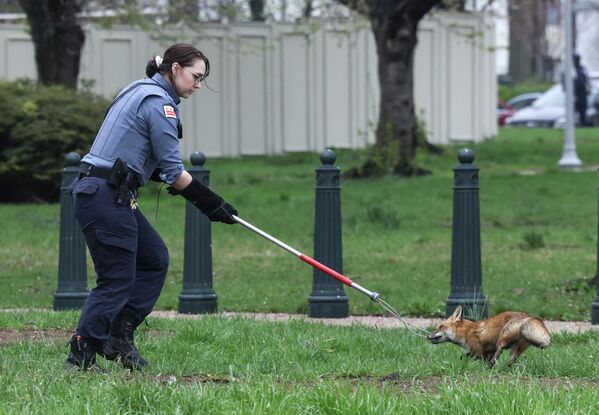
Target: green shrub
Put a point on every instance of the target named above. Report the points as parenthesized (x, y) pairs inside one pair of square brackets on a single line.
[(384, 215), (532, 240), (39, 126)]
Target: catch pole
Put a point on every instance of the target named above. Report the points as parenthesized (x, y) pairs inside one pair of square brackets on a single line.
[(374, 296)]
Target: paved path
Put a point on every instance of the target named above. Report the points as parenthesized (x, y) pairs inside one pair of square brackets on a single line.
[(371, 321), (375, 321)]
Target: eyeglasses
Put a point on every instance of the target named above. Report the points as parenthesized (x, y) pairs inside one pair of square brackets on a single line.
[(197, 78)]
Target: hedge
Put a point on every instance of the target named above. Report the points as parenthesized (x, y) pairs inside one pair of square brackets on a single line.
[(38, 127)]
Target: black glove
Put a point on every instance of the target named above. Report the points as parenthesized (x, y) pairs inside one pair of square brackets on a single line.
[(224, 214), (172, 191), (209, 203)]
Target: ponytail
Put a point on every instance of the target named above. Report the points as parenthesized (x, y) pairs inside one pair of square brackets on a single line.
[(154, 66), (183, 53)]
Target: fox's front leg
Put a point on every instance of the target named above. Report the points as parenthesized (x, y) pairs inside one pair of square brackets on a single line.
[(489, 358)]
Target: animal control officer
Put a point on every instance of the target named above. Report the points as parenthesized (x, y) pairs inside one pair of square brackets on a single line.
[(138, 140)]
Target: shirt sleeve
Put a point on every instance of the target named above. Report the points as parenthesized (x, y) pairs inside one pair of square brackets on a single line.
[(161, 117)]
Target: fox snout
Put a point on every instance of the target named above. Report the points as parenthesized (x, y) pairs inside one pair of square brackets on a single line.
[(437, 337)]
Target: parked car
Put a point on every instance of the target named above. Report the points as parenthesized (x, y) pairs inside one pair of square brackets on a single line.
[(549, 110), (507, 109), (503, 112), (523, 100)]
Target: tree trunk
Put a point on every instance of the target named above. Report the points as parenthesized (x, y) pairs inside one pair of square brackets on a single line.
[(307, 9), (397, 118), (395, 33), (527, 19), (394, 24), (257, 10), (58, 39)]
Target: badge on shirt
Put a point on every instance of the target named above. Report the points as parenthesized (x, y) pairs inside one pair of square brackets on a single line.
[(169, 112)]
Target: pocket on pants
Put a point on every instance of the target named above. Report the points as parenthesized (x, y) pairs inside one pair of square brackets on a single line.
[(85, 187), (114, 256), (85, 201), (112, 239)]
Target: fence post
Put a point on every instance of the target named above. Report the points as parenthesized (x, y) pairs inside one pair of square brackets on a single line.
[(72, 268), (328, 298), (595, 304), (466, 268), (197, 296)]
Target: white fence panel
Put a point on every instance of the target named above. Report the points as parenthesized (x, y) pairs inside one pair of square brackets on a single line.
[(281, 87)]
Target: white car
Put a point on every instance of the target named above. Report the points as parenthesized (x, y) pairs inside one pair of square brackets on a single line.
[(549, 110), (523, 100)]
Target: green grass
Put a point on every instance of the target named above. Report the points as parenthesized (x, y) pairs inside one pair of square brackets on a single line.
[(239, 366), (538, 232)]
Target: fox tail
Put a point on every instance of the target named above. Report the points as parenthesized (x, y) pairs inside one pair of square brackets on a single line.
[(536, 333)]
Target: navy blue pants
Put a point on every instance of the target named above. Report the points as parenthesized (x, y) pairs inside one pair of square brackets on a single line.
[(130, 258)]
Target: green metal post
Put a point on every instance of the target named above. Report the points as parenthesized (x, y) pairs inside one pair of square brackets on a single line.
[(466, 268), (328, 298), (595, 304), (72, 269), (197, 296)]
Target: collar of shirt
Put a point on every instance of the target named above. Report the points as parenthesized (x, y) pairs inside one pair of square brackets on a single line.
[(168, 87)]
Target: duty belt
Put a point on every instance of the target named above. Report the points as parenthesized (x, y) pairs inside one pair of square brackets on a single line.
[(89, 170)]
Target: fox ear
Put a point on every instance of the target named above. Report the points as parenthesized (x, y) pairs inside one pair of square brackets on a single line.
[(457, 314)]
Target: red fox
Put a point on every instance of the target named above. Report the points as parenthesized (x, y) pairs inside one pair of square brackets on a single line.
[(486, 339)]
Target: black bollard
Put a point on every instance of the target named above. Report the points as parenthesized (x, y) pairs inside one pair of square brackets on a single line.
[(72, 269), (197, 296), (328, 298), (595, 304), (466, 268)]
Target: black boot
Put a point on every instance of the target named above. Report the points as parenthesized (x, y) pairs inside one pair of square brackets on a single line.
[(83, 354), (120, 345)]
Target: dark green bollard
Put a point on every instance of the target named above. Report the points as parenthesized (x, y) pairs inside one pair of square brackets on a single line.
[(328, 298), (595, 304), (466, 268), (197, 296), (72, 269)]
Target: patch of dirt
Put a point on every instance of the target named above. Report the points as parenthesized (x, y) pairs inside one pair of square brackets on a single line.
[(191, 380), (433, 384), (427, 384), (530, 172), (554, 383), (10, 336)]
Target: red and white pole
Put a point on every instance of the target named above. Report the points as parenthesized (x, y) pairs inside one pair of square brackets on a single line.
[(330, 272)]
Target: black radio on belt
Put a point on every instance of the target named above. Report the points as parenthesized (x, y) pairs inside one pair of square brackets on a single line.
[(118, 173), (118, 177), (124, 181)]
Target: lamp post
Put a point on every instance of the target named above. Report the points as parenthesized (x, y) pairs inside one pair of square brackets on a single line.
[(569, 160)]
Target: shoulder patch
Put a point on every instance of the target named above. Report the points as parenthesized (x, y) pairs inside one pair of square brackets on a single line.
[(169, 112)]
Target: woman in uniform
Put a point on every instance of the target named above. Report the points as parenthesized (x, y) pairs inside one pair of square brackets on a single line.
[(138, 141)]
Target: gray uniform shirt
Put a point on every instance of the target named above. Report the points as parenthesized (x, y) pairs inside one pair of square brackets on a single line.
[(141, 129)]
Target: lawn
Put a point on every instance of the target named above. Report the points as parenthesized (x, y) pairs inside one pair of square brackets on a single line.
[(538, 232), (239, 366)]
